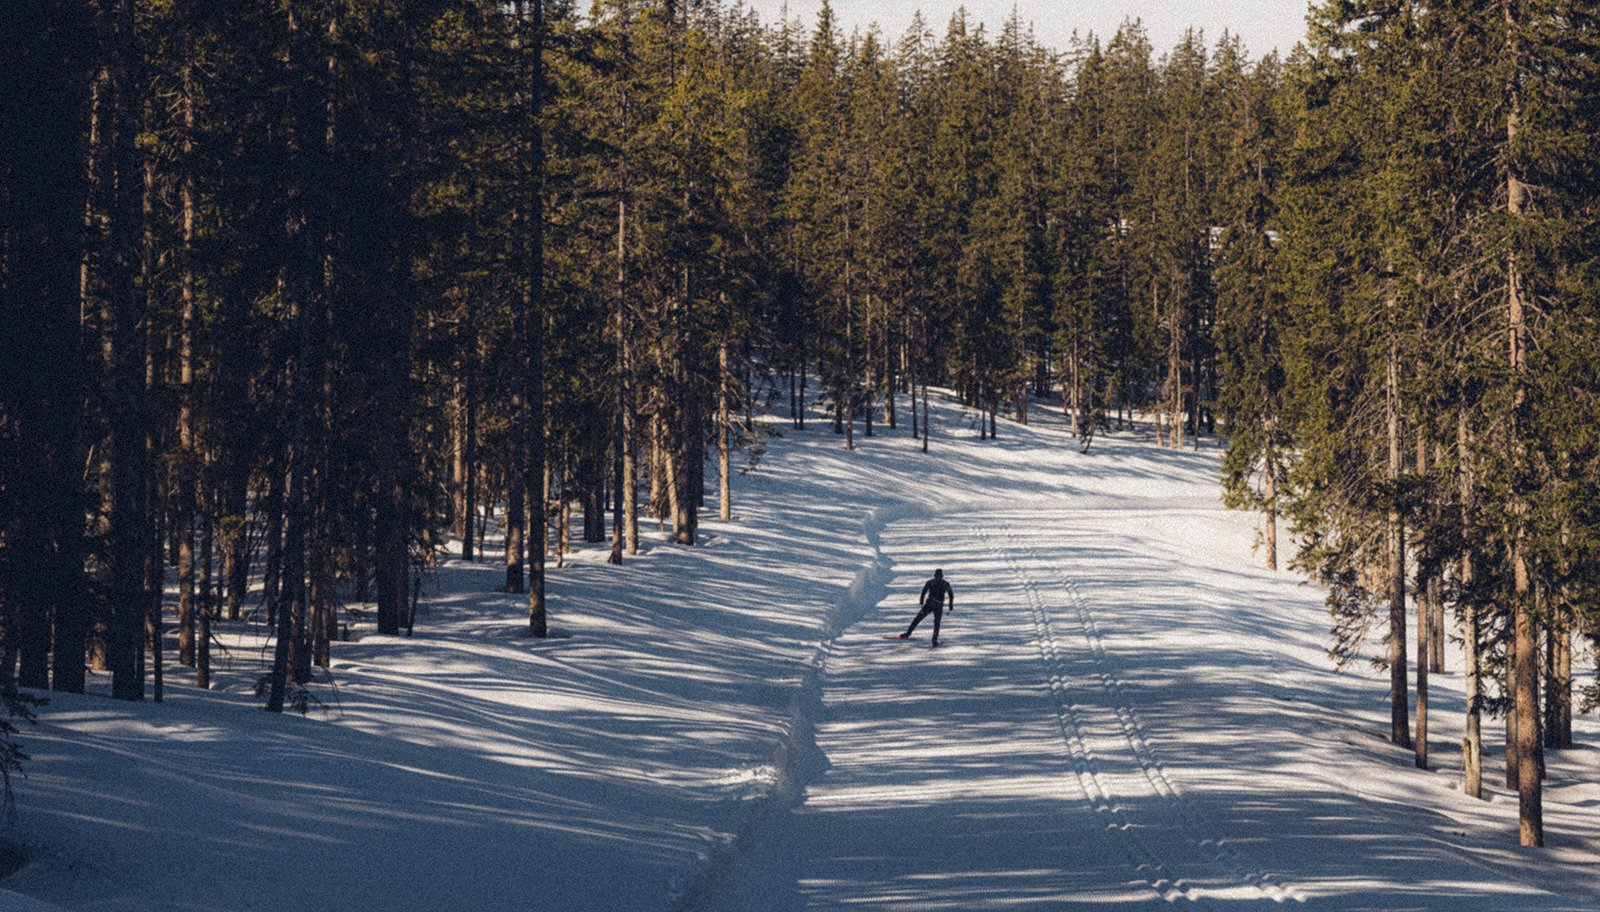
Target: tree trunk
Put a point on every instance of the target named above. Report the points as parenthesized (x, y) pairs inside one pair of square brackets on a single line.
[(1525, 671), (533, 284), (469, 548), (1270, 499), (678, 491), (724, 443), (458, 452), (868, 387), (800, 416), (1557, 689), (629, 485), (1399, 710), (272, 506), (235, 539), (1563, 716), (626, 525), (1526, 696), (125, 445), (301, 278), (890, 380), (563, 501), (1074, 399), (207, 604), (927, 429), (43, 246), (1424, 617), (1175, 378), (660, 475), (1471, 636), (916, 418), (1509, 688), (848, 401), (516, 512)]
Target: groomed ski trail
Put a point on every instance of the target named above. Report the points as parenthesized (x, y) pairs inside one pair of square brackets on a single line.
[(1051, 755)]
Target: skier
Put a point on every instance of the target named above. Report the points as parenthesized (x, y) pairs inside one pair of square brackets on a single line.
[(934, 592)]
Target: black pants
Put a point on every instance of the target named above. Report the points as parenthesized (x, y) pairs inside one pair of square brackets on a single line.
[(938, 615)]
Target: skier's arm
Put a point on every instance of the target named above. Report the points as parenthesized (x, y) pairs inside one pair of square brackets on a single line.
[(923, 598), (950, 591)]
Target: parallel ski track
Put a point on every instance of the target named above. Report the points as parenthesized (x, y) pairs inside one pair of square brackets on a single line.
[(1193, 824), (1085, 766), (1181, 809)]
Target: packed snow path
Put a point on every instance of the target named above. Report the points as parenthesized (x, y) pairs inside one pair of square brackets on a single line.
[(1128, 713), (1089, 734)]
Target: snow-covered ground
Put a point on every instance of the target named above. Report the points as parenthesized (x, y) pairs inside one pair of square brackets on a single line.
[(1125, 713)]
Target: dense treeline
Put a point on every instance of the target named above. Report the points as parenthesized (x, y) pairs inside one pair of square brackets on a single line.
[(1440, 351), (296, 290)]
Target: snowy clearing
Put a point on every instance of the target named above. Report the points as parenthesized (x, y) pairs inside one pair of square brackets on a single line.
[(1125, 713)]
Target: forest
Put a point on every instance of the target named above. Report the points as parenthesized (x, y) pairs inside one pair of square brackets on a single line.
[(297, 292)]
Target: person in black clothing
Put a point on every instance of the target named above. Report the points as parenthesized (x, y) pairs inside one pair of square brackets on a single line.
[(934, 593)]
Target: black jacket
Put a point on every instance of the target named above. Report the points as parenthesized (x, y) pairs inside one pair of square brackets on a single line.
[(934, 593)]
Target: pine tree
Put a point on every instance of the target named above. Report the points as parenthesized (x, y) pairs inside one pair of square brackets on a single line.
[(1249, 302)]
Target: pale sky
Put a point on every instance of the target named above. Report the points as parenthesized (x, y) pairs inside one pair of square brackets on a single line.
[(1263, 24)]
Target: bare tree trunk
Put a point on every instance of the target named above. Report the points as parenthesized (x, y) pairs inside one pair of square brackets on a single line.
[(129, 528), (1270, 498), (208, 603), (516, 520), (1072, 394), (891, 377), (625, 522), (847, 400), (1197, 380), (1175, 436), (272, 506), (870, 385), (235, 538), (1022, 382), (458, 452), (927, 429), (660, 473), (1554, 685), (1424, 633), (1472, 743), (301, 274), (563, 510), (724, 444), (800, 416), (187, 462), (533, 313), (1562, 722), (156, 511), (469, 549), (1509, 688), (846, 406), (1399, 710), (916, 418), (1525, 672), (677, 496)]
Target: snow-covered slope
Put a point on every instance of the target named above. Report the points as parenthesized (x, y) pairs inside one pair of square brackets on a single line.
[(1125, 711)]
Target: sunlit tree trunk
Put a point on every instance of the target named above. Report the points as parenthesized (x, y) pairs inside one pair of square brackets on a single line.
[(1524, 662)]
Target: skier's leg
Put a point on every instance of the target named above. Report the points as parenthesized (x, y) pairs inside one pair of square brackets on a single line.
[(938, 615), (920, 615)]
